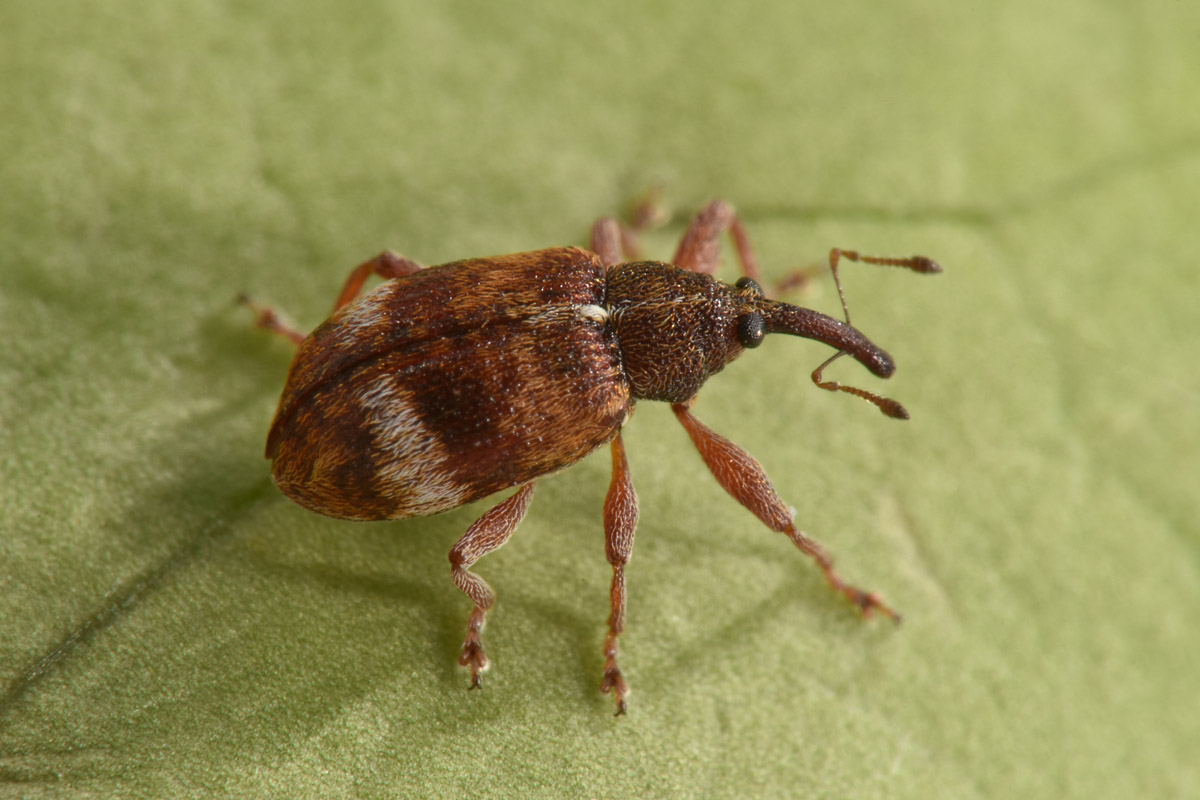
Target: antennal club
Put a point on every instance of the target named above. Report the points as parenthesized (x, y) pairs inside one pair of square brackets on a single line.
[(921, 264), (887, 405)]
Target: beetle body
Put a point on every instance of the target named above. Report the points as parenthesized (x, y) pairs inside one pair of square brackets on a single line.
[(447, 384), (450, 384)]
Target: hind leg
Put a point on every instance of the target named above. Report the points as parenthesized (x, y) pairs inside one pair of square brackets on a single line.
[(488, 533), (386, 265)]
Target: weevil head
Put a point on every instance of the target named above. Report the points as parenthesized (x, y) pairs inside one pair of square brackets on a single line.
[(676, 328)]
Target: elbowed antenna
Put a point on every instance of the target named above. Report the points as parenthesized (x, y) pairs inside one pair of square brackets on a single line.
[(786, 318)]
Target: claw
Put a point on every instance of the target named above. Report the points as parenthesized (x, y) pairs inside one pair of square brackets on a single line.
[(612, 680), (615, 683), (869, 602), (472, 654)]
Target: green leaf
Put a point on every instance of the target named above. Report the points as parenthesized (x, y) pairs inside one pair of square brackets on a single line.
[(173, 626)]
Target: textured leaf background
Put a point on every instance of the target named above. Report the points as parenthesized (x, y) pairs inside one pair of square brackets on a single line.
[(171, 626)]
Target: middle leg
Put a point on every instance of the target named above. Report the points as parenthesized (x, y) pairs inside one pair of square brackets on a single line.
[(615, 241), (620, 521)]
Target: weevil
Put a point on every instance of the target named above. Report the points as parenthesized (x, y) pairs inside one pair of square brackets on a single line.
[(446, 384)]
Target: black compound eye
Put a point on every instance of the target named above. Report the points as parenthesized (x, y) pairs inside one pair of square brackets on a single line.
[(751, 328), (749, 285)]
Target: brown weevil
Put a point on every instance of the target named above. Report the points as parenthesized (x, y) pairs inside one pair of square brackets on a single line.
[(446, 384)]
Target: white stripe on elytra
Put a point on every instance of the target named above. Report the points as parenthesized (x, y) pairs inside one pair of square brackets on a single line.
[(366, 311), (412, 464)]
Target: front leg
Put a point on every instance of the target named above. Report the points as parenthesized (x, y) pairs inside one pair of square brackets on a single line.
[(743, 477), (700, 248)]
